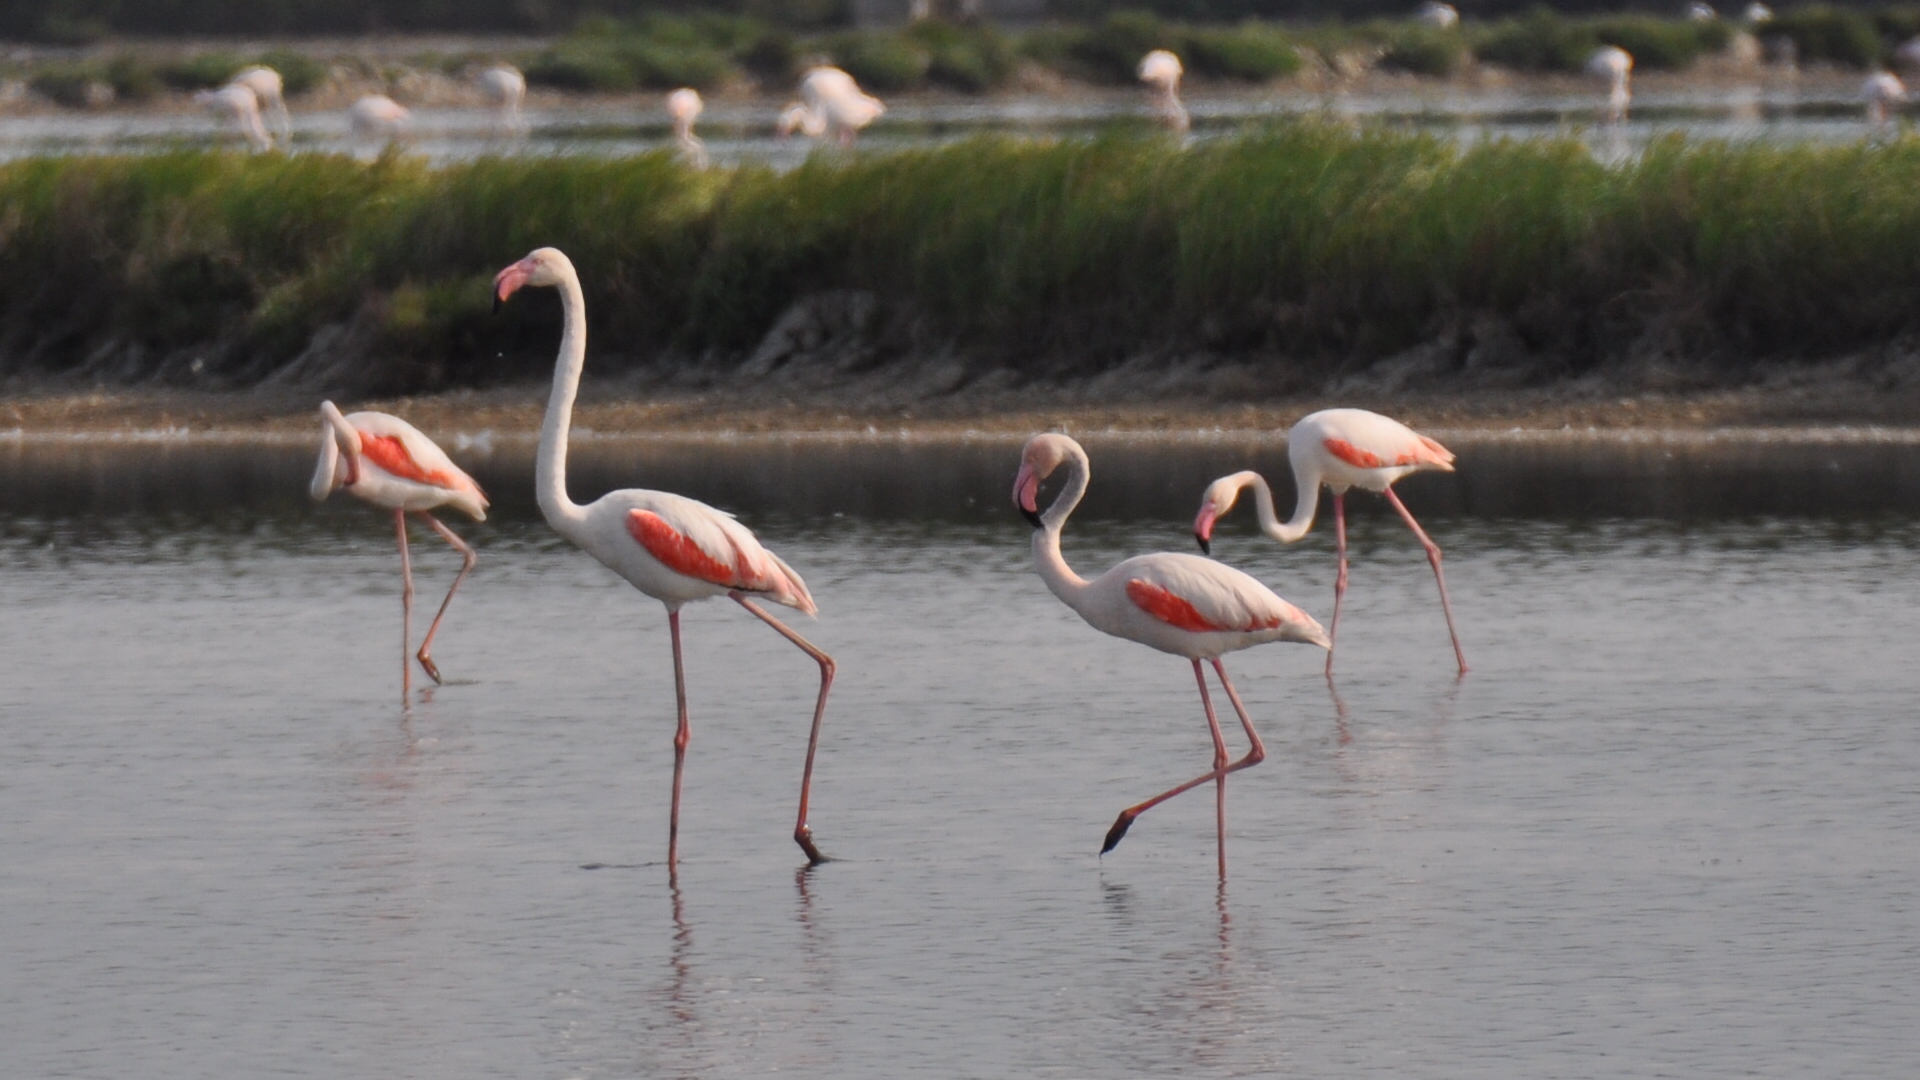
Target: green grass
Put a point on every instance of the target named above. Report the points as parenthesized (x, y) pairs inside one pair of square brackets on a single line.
[(1310, 248)]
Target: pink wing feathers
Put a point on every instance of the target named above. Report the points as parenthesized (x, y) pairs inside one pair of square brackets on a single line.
[(1201, 595), (710, 546), (1420, 451), (401, 450)]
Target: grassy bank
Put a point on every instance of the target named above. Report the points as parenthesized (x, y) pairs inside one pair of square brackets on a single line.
[(1306, 251)]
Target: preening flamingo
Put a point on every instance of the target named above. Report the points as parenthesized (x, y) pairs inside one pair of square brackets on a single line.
[(1179, 604), (1883, 90), (267, 88), (1341, 448), (505, 88), (670, 547), (1161, 71), (1615, 65), (377, 116), (831, 104), (238, 104), (386, 461), (684, 106)]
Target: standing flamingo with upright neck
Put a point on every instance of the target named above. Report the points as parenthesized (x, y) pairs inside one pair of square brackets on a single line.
[(672, 548), (1179, 604), (1341, 448), (386, 461)]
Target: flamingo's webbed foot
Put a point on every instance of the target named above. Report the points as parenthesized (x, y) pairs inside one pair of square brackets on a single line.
[(431, 668), (804, 837), (1120, 827)]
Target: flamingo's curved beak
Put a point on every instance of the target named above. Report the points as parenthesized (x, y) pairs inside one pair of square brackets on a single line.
[(508, 281), (1026, 489), (1203, 527)]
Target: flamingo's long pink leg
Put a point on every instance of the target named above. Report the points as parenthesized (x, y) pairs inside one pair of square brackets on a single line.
[(681, 737), (468, 558), (1340, 579), (1254, 756), (1219, 762), (802, 832), (1433, 556), (406, 605)]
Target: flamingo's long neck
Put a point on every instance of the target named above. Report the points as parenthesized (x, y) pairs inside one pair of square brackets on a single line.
[(1052, 566), (550, 469), (1306, 479)]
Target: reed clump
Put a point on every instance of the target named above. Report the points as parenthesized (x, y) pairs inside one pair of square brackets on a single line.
[(1306, 249)]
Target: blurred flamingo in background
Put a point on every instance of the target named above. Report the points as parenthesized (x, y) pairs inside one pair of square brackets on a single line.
[(267, 89), (1883, 90), (671, 548), (378, 116), (389, 463), (1438, 15), (831, 104), (684, 106), (505, 89), (1615, 65), (1179, 604), (238, 104), (1341, 448), (1161, 71)]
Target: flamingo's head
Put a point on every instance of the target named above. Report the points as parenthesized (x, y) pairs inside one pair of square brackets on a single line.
[(542, 266), (1042, 455), (1220, 497)]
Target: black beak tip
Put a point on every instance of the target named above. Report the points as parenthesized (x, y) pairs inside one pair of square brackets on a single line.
[(496, 303), (1032, 516), (1206, 546)]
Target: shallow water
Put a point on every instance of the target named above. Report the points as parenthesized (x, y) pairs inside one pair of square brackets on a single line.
[(1666, 827), (1777, 110)]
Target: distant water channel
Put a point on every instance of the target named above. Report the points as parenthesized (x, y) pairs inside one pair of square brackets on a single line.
[(1771, 108), (1669, 825)]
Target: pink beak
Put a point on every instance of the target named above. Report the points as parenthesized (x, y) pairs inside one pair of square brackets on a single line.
[(1026, 489), (1203, 528), (508, 281)]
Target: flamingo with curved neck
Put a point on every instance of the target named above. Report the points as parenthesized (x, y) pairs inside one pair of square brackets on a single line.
[(1340, 448), (1176, 603), (672, 548)]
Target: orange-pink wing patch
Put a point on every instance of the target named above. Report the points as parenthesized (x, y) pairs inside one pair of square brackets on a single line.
[(1428, 452), (678, 552), (388, 452), (1176, 611)]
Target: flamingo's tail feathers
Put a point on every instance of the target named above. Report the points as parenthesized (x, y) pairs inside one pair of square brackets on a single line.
[(795, 594), (1435, 455)]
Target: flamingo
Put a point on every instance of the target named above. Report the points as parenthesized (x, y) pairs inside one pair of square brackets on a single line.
[(1757, 13), (267, 87), (1701, 12), (669, 547), (377, 116), (1179, 604), (238, 104), (831, 103), (505, 88), (1883, 90), (1340, 448), (685, 106), (1614, 64), (390, 464), (1161, 71), (1438, 15)]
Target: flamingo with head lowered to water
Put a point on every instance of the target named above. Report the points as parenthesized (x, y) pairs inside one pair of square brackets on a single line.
[(672, 548), (1341, 448), (1179, 604), (386, 461)]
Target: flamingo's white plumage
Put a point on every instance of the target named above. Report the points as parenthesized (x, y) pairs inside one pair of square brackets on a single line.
[(672, 548), (386, 461), (1438, 15), (378, 116), (1161, 71), (1342, 449), (270, 92), (505, 88), (831, 104), (1179, 604), (1614, 65), (1882, 91), (238, 105), (684, 107)]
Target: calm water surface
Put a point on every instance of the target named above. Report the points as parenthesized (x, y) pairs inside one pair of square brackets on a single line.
[(1670, 824)]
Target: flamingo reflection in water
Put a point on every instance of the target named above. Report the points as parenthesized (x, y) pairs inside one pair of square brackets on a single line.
[(389, 463), (1176, 603)]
